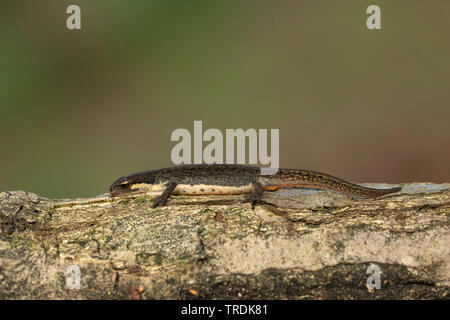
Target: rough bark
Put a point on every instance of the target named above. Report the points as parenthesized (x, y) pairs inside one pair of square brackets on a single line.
[(313, 245)]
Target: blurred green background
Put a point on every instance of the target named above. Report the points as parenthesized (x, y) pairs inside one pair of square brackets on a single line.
[(78, 109)]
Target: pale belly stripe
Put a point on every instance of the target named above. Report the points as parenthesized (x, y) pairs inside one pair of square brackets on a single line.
[(195, 189)]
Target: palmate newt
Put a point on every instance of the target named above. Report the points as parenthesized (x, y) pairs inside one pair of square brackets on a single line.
[(203, 179)]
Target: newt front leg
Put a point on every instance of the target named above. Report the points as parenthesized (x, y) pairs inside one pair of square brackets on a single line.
[(161, 199)]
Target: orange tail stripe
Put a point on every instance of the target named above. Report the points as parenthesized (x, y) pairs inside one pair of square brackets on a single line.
[(273, 188)]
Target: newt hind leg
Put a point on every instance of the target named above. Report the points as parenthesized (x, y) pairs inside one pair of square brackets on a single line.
[(256, 194)]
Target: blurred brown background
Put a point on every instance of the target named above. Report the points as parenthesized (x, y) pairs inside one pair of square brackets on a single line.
[(78, 109)]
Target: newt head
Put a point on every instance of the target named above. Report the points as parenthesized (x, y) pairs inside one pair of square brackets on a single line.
[(121, 186), (136, 183)]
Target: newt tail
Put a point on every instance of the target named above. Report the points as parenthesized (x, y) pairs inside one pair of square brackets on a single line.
[(313, 179)]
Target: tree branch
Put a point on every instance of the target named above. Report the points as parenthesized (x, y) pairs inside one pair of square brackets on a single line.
[(311, 245)]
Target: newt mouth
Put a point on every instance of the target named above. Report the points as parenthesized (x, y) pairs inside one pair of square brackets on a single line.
[(127, 188), (118, 190)]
